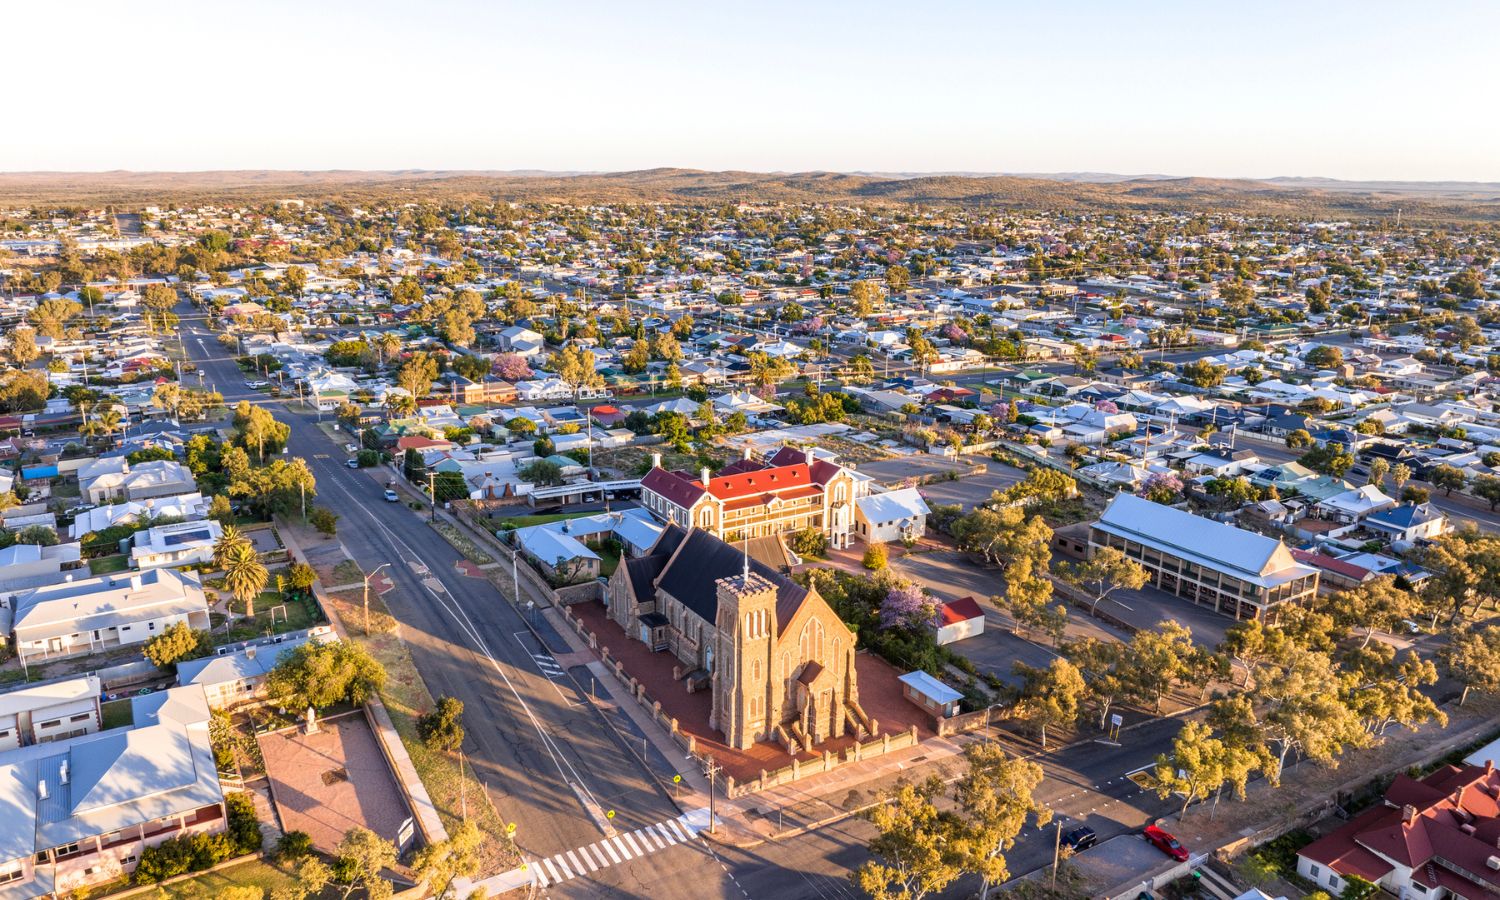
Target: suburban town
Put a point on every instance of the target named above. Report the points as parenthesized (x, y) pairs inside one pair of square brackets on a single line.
[(746, 531)]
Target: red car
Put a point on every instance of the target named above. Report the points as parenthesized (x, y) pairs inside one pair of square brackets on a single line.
[(1167, 844)]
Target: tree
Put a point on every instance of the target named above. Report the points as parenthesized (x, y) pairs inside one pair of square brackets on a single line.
[(362, 855), (443, 727), (542, 472), (443, 862), (1330, 459), (245, 576), (417, 374), (907, 607), (1194, 769), (914, 853), (1158, 659), (1378, 604), (1252, 643), (39, 535), (320, 675), (995, 797), (1447, 477), (1473, 658), (1324, 356), (1107, 571), (1049, 697), (1298, 438), (1204, 374), (255, 428), (1400, 475), (1487, 488), (1379, 467), (574, 364), (177, 642), (23, 351), (511, 367), (229, 540), (325, 520), (1102, 664), (1162, 487), (864, 295), (1305, 710), (875, 556)]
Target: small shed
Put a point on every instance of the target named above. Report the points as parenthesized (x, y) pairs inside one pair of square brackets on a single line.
[(938, 699), (959, 619)]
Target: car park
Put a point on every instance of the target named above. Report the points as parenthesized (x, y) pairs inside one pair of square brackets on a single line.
[(1166, 843)]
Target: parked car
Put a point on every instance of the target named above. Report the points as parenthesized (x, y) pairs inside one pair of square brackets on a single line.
[(1080, 838), (352, 463), (1167, 844), (391, 496)]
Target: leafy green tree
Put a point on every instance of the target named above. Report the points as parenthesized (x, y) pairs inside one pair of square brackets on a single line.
[(542, 472), (1049, 697), (1107, 571), (915, 851), (1473, 658), (320, 675), (361, 856), (995, 798), (442, 863), (443, 727), (1193, 770), (177, 642), (1448, 478), (325, 520), (875, 556)]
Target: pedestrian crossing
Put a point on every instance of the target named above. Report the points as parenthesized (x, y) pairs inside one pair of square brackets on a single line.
[(612, 851), (548, 665)]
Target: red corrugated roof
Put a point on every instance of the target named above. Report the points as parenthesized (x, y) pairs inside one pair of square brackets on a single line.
[(961, 610), (771, 480), (677, 487)]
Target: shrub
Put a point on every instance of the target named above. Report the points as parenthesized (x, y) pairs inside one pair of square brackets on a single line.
[(294, 845), (809, 542), (177, 856), (244, 826), (875, 557), (178, 642), (443, 728), (324, 520)]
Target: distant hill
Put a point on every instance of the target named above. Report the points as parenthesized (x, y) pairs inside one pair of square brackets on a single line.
[(1301, 197)]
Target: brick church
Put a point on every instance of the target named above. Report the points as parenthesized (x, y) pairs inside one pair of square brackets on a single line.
[(778, 660)]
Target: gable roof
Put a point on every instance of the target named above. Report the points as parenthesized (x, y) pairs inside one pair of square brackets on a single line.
[(692, 573)]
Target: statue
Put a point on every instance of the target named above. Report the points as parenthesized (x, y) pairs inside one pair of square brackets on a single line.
[(312, 721)]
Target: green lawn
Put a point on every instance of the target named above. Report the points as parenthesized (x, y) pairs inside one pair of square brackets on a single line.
[(300, 615), (609, 560), (117, 714), (107, 564)]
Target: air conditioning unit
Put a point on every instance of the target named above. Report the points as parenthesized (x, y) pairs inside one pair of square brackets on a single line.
[(1493, 862)]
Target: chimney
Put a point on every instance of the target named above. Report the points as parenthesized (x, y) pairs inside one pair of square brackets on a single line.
[(745, 453), (1489, 766), (62, 773), (41, 789), (807, 455), (1408, 814), (656, 460), (250, 652), (135, 581), (704, 474)]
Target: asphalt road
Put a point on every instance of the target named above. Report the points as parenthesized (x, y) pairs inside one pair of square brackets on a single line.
[(548, 760)]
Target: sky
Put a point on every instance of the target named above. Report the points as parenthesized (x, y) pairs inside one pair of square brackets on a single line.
[(1354, 90)]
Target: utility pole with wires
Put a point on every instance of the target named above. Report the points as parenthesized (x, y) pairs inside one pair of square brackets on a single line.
[(432, 492), (711, 771)]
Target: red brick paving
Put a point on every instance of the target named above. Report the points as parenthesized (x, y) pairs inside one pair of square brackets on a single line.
[(297, 763), (879, 693), (468, 569)]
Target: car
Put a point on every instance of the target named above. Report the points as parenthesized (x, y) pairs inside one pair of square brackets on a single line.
[(1080, 838), (352, 463), (391, 496), (351, 448), (1164, 842)]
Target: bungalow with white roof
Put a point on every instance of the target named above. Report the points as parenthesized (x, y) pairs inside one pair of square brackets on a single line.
[(78, 617), (891, 516)]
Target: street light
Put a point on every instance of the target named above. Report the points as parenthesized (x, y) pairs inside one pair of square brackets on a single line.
[(367, 595)]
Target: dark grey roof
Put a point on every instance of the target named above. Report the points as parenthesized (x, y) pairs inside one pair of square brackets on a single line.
[(691, 577)]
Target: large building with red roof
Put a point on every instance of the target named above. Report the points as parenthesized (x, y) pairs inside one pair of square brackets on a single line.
[(790, 491), (1434, 838)]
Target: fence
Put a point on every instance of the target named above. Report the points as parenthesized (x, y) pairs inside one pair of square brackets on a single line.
[(827, 762)]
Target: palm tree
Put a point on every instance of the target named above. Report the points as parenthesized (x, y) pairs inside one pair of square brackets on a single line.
[(108, 421), (226, 544), (245, 576)]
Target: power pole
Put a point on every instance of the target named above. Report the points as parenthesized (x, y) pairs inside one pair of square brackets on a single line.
[(1056, 850), (713, 770), (432, 491)]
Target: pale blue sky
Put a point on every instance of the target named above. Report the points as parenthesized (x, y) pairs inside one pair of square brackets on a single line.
[(1394, 90)]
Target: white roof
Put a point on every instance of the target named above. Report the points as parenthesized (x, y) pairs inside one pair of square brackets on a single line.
[(1224, 548), (893, 505)]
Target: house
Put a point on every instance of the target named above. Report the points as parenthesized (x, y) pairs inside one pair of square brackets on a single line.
[(1352, 506), (112, 478), (959, 619), (77, 617), (938, 699), (1409, 522), (179, 544), (234, 676), (1235, 572), (177, 506), (792, 490), (558, 553), (49, 711), (778, 662), (1433, 837), (892, 516), (79, 812), (24, 566)]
